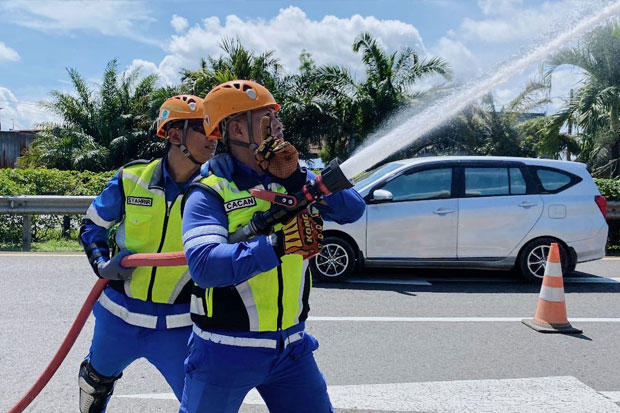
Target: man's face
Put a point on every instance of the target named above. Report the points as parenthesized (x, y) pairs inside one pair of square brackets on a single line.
[(198, 144), (277, 129)]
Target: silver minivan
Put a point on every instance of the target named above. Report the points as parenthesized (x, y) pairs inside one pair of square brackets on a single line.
[(469, 212)]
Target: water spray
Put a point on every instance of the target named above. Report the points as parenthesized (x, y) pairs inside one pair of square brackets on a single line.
[(452, 105)]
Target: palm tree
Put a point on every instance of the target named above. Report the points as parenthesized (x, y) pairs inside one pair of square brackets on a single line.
[(102, 129), (362, 107), (390, 77), (237, 62), (595, 108)]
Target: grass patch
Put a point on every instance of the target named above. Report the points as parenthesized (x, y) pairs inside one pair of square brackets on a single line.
[(54, 245)]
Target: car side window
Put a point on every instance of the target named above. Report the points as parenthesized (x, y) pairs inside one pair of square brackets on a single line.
[(426, 184), (517, 182), (486, 182), (552, 180)]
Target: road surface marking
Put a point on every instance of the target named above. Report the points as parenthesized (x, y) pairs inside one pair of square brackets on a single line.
[(386, 281), (591, 280), (534, 395), (611, 258), (614, 396), (456, 319)]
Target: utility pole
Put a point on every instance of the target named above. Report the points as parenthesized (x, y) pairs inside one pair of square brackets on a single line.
[(1, 121)]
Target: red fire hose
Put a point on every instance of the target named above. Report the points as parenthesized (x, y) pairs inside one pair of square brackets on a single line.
[(169, 259)]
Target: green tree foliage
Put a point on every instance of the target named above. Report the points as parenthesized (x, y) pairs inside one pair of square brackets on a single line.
[(236, 62), (595, 108), (102, 129)]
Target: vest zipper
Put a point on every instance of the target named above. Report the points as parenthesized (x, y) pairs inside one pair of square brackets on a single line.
[(149, 296), (280, 296)]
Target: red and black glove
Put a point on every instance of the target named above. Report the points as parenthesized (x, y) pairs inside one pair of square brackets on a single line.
[(275, 155), (301, 235)]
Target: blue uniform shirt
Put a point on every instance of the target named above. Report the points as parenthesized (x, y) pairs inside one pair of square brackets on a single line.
[(215, 263), (110, 209)]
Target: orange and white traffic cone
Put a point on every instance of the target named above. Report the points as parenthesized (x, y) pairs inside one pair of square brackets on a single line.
[(551, 311)]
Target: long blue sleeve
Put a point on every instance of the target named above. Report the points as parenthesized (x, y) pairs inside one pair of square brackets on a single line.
[(343, 207), (215, 263), (212, 262), (105, 210)]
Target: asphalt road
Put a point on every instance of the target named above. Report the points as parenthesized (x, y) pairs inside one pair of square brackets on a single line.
[(415, 340)]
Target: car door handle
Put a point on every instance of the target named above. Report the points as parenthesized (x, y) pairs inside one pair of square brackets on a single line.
[(526, 204), (443, 211)]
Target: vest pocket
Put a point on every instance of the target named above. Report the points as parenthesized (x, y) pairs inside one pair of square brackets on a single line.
[(137, 229)]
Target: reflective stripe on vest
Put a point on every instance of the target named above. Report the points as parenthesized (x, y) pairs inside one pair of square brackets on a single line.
[(151, 225), (272, 300), (143, 320)]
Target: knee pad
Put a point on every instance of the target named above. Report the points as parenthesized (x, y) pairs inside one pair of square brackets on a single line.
[(95, 389)]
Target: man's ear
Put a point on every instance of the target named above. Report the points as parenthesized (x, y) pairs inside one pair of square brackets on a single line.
[(235, 129), (175, 136)]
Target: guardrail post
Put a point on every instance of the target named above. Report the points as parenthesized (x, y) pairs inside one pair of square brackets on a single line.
[(27, 233)]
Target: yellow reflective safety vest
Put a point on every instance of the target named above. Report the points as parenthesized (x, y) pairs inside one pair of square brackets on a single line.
[(151, 224), (269, 301)]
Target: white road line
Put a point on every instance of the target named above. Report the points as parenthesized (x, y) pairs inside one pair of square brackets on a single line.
[(534, 395), (386, 281), (591, 280), (455, 319), (614, 396)]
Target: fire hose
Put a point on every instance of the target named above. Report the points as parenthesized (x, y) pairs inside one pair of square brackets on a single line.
[(135, 260), (285, 206)]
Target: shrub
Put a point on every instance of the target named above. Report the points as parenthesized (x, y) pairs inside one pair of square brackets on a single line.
[(610, 188), (45, 182)]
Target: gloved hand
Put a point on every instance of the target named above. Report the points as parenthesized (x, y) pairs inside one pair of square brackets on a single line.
[(301, 235), (275, 155), (220, 165), (113, 270)]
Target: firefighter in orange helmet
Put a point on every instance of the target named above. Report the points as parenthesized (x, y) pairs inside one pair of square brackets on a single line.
[(250, 300), (144, 311)]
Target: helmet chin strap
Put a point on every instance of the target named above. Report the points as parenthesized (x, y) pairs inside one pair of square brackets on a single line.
[(252, 145), (183, 145)]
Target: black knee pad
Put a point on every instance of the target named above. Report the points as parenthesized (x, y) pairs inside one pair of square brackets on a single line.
[(95, 389)]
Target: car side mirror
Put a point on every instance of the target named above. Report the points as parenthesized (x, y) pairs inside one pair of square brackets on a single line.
[(381, 195)]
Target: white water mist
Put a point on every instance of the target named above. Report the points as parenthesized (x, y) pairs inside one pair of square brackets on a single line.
[(453, 104)]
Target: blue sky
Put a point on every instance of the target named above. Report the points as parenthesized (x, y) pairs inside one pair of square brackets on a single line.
[(40, 39)]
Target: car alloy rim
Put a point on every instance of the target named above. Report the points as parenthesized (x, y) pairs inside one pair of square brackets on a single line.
[(537, 260), (332, 261)]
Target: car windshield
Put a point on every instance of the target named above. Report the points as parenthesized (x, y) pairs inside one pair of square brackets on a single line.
[(367, 177)]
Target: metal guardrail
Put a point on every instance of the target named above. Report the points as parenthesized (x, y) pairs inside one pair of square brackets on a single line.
[(28, 205)]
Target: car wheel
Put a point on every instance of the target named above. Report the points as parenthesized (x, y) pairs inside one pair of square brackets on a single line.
[(533, 259), (335, 262)]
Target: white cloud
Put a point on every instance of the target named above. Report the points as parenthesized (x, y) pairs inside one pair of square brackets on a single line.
[(179, 23), (463, 62), (21, 114), (121, 18), (146, 68), (329, 40), (491, 7), (511, 20), (562, 81), (6, 53)]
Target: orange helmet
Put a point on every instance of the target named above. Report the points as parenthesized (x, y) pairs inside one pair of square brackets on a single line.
[(178, 107), (233, 97)]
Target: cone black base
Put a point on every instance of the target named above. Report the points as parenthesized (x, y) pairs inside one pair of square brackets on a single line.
[(549, 328)]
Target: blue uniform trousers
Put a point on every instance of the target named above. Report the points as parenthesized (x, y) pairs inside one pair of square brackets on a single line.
[(219, 376), (117, 344)]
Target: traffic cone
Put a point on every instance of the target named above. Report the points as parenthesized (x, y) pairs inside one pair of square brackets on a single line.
[(551, 311)]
